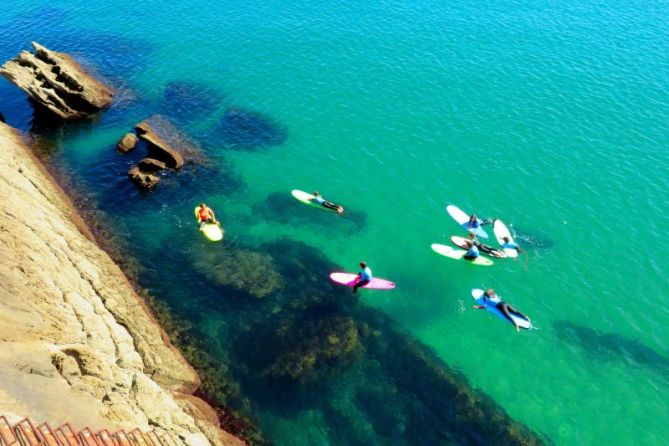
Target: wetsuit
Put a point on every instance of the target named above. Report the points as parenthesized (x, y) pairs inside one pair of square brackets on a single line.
[(472, 253), (504, 308), (326, 204), (365, 277), (485, 248), (509, 245)]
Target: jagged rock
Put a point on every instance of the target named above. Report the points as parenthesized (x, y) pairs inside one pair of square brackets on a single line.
[(158, 148), (145, 180), (55, 81), (149, 165), (127, 143)]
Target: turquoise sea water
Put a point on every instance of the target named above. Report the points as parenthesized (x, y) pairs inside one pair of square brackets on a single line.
[(549, 115)]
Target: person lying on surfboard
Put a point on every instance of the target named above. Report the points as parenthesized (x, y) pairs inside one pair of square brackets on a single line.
[(318, 199), (206, 215), (509, 245), (365, 276), (472, 251), (490, 296), (485, 248)]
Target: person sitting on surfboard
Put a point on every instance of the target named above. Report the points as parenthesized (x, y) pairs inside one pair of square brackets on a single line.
[(509, 245), (485, 248), (475, 223), (489, 295), (472, 251), (206, 215), (365, 276), (318, 199)]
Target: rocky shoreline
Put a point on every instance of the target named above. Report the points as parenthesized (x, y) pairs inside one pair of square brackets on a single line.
[(77, 343)]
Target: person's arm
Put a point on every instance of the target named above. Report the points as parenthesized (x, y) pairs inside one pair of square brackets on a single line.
[(479, 307)]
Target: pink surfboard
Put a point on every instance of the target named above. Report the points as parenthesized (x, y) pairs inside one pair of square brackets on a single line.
[(349, 279)]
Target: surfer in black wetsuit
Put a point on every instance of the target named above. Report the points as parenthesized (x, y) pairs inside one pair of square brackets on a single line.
[(318, 199), (506, 309), (485, 248)]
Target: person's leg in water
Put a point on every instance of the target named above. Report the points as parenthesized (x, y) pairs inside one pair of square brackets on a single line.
[(468, 257), (334, 207), (359, 284), (505, 309), (516, 312)]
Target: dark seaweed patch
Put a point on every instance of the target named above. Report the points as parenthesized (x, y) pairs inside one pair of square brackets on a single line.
[(608, 347), (187, 101), (241, 129), (281, 207), (532, 239)]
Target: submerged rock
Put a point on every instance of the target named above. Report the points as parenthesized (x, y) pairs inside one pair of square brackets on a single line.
[(158, 148), (56, 82), (143, 179), (244, 270), (303, 350), (247, 130), (127, 143)]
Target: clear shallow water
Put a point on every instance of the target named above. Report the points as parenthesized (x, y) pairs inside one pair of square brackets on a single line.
[(552, 117)]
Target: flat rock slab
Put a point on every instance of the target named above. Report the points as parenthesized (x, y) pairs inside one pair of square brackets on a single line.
[(151, 165), (55, 81), (158, 148)]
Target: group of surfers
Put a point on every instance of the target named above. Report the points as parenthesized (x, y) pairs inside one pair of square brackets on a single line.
[(475, 247), (205, 215)]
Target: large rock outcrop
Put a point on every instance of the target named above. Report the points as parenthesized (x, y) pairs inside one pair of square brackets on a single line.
[(76, 342), (157, 147), (55, 81)]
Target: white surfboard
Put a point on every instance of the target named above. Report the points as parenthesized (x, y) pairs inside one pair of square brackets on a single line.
[(305, 197), (500, 230), (477, 295), (461, 218), (461, 242), (458, 254)]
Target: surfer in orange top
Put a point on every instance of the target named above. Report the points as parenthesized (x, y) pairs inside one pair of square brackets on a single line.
[(206, 215)]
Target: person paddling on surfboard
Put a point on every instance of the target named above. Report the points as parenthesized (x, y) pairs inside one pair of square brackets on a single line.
[(364, 276), (485, 248), (472, 251), (318, 199), (490, 296), (206, 215), (510, 245)]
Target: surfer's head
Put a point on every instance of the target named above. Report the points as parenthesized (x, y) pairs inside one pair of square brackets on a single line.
[(472, 235), (489, 292), (472, 218), (202, 205), (506, 239), (363, 265), (316, 194)]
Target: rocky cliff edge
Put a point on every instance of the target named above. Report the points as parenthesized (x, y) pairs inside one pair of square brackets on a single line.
[(77, 343)]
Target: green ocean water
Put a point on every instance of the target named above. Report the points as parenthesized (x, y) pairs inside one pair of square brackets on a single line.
[(551, 116)]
